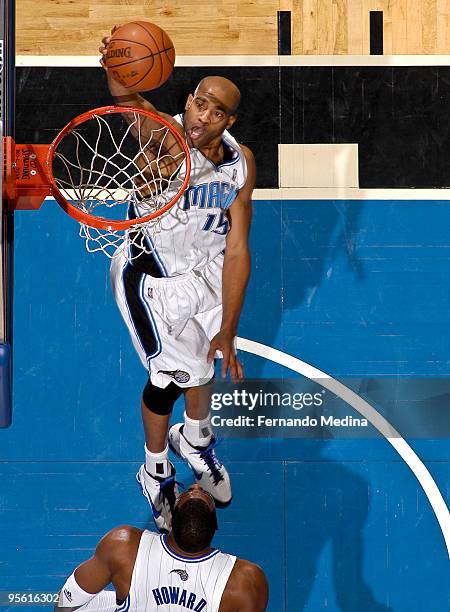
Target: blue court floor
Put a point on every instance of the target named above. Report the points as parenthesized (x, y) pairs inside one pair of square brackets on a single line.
[(353, 288)]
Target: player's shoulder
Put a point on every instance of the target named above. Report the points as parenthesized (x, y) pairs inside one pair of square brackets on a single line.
[(174, 121), (178, 121), (248, 154), (249, 572), (246, 588), (231, 140), (250, 165), (122, 533), (244, 152), (119, 544)]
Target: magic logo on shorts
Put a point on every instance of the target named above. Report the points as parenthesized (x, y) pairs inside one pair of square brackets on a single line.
[(180, 376)]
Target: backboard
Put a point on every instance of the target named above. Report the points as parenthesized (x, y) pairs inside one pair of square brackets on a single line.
[(7, 90)]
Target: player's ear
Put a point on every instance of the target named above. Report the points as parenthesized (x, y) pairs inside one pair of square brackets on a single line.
[(188, 102), (231, 120)]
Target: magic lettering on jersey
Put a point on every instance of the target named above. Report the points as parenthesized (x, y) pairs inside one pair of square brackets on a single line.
[(217, 194), (181, 597)]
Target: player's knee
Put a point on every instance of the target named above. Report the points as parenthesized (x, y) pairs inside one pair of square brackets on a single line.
[(161, 401)]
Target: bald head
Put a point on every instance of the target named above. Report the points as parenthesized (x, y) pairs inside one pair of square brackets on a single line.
[(221, 88), (210, 111)]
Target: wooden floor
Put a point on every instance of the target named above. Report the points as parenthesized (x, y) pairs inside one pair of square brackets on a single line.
[(238, 27)]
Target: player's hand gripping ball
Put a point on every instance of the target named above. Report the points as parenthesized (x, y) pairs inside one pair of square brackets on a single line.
[(140, 56)]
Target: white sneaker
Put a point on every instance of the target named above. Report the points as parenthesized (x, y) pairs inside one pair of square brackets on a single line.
[(161, 494), (208, 470)]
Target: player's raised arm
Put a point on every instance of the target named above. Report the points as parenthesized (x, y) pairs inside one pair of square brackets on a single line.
[(112, 562), (160, 149)]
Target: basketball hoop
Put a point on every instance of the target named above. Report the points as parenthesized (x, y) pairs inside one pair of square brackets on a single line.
[(115, 170)]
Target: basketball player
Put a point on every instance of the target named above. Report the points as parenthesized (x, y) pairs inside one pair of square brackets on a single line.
[(182, 301), (179, 571)]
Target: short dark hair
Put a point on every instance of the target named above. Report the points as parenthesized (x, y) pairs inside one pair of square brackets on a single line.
[(193, 525)]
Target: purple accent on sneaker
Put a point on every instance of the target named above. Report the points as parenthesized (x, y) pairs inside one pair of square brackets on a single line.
[(209, 457)]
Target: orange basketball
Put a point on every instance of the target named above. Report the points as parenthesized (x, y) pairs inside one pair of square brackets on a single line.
[(140, 56)]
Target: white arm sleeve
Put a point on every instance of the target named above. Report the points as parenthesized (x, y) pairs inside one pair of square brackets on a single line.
[(105, 601), (73, 597)]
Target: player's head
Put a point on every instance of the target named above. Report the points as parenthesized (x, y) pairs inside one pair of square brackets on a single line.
[(194, 520), (210, 110)]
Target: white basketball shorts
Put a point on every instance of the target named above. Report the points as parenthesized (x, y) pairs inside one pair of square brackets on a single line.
[(171, 319)]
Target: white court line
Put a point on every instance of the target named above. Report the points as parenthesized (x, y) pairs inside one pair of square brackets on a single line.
[(193, 61), (384, 427)]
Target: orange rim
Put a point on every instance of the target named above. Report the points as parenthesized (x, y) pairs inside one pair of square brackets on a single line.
[(101, 222)]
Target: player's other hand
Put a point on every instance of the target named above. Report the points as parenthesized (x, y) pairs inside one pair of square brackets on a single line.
[(104, 45), (224, 342)]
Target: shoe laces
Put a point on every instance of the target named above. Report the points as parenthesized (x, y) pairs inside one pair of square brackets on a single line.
[(209, 456)]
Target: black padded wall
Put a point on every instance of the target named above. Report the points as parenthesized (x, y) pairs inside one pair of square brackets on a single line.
[(398, 115)]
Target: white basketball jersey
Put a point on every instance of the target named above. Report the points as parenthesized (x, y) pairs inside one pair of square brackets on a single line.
[(193, 232), (166, 582)]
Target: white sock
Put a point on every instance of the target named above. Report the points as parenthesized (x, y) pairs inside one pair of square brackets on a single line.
[(73, 597), (197, 433), (158, 464)]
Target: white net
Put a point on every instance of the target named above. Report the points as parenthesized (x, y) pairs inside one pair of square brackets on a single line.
[(109, 163), (116, 242)]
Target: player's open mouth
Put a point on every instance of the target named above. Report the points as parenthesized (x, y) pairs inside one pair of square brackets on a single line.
[(196, 132)]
